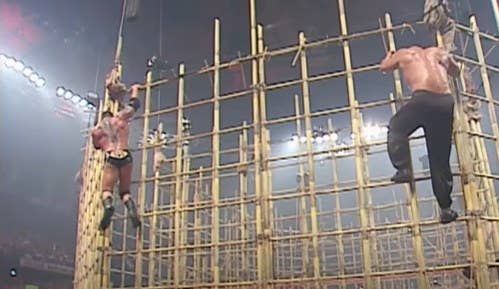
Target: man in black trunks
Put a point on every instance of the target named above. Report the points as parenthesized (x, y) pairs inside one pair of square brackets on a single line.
[(111, 136), (431, 107)]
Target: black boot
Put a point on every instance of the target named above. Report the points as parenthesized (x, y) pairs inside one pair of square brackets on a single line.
[(132, 213), (108, 213), (447, 216), (402, 176)]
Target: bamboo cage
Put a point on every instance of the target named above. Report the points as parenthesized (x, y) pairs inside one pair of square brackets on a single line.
[(240, 207)]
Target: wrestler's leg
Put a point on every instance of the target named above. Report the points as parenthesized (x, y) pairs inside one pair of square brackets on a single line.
[(109, 178), (126, 197)]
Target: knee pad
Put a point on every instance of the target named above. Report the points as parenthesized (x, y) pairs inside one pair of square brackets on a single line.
[(108, 203)]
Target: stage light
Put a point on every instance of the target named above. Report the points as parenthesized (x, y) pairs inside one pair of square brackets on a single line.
[(40, 82), (60, 91), (68, 94), (9, 62), (19, 66), (75, 99), (13, 272), (83, 102), (34, 77), (27, 71), (333, 136)]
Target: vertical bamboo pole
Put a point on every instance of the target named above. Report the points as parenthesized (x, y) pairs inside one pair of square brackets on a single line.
[(243, 191), (495, 8), (370, 213), (123, 246), (265, 140), (302, 188), (339, 238), (186, 165), (143, 175), (172, 225), (478, 248), (486, 81), (177, 275), (216, 159), (153, 230), (310, 161), (261, 276), (410, 189), (197, 223), (488, 186), (367, 264)]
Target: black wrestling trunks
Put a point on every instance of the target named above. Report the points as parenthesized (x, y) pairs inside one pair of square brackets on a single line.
[(119, 159)]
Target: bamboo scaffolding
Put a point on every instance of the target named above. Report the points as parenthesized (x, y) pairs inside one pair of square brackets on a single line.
[(200, 236)]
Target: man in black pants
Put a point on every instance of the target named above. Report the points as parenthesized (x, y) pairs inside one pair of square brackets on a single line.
[(431, 107)]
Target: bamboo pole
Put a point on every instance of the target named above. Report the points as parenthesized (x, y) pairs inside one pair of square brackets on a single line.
[(215, 187), (471, 199), (486, 82), (153, 230), (302, 212), (265, 152), (410, 189), (310, 161), (178, 276), (186, 164), (197, 234), (261, 250), (367, 264), (339, 226), (142, 190), (243, 191)]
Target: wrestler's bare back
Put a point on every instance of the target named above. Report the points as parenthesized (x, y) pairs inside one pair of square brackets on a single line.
[(424, 69)]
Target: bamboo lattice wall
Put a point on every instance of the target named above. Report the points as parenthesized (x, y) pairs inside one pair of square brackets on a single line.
[(241, 206)]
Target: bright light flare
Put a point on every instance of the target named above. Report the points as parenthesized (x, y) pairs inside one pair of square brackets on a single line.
[(40, 82), (27, 71), (83, 103), (34, 77), (60, 91), (76, 98), (68, 95), (19, 66), (9, 62)]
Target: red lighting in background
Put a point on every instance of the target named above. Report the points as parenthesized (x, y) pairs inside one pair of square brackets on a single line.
[(16, 29)]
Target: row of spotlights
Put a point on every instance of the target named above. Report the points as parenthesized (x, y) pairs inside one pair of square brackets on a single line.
[(370, 132), (326, 137), (20, 67), (75, 98)]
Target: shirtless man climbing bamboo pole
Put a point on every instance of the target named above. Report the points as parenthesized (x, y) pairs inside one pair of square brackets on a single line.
[(111, 136), (431, 107)]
